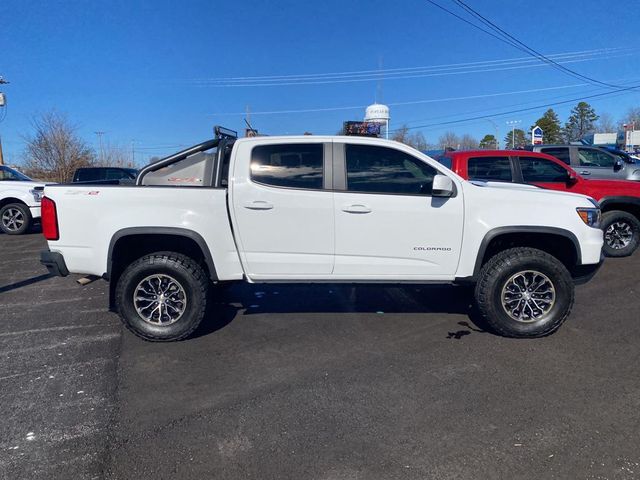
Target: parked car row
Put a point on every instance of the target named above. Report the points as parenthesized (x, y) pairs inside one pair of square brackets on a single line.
[(320, 209), (619, 200), (20, 196)]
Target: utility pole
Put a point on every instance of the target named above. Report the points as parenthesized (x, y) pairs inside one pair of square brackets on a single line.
[(100, 134), (513, 124), (2, 115), (495, 126)]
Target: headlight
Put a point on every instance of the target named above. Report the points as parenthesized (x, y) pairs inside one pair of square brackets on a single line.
[(590, 216), (37, 194)]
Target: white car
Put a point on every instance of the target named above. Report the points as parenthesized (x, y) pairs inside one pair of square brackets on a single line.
[(19, 201), (319, 209)]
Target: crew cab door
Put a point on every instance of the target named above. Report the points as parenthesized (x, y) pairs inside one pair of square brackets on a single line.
[(596, 163), (388, 226), (545, 173), (282, 212)]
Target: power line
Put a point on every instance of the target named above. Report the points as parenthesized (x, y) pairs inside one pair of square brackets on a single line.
[(523, 47), (409, 72), (479, 117)]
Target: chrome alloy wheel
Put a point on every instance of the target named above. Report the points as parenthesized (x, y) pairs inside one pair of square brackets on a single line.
[(12, 219), (618, 235), (160, 299), (527, 296)]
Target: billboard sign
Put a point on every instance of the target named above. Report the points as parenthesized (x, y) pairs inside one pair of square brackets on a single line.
[(361, 129), (536, 135)]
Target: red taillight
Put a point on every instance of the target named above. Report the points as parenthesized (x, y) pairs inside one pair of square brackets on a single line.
[(49, 219)]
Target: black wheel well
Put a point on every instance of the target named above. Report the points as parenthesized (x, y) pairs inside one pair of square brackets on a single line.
[(8, 200), (126, 249), (561, 247), (631, 208)]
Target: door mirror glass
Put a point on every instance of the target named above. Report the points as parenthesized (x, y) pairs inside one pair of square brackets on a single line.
[(442, 186), (618, 165)]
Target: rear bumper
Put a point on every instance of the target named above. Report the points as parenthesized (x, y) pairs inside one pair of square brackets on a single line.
[(54, 261), (583, 273)]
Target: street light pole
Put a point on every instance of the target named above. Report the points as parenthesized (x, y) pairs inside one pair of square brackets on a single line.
[(513, 124)]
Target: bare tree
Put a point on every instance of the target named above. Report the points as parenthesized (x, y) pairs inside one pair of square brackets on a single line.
[(55, 150), (606, 124), (632, 116), (115, 156), (449, 140), (468, 142), (415, 140)]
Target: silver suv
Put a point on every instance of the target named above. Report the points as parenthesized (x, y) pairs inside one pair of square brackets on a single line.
[(593, 162)]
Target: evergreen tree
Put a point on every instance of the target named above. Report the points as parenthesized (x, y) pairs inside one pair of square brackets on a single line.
[(489, 142), (550, 125), (518, 140), (581, 122)]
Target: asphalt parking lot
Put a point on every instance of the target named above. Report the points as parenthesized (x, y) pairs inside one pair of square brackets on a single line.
[(326, 382)]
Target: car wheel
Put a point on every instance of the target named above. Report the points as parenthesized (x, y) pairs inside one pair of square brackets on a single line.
[(15, 219), (162, 296), (524, 293), (621, 233)]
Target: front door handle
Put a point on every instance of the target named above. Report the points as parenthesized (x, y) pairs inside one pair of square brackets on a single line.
[(584, 172), (358, 208), (258, 205)]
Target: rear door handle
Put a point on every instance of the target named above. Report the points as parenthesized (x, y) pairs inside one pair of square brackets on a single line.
[(584, 172), (258, 205), (358, 208)]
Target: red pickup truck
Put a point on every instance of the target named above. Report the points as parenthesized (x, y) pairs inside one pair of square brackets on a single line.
[(619, 200)]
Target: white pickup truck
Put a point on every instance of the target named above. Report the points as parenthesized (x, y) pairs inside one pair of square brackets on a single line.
[(319, 209), (19, 201)]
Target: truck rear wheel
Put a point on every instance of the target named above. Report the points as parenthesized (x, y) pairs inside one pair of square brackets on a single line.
[(524, 293), (15, 219), (162, 297), (621, 233)]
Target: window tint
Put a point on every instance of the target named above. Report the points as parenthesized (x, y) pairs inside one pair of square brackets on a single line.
[(7, 173), (89, 174), (542, 170), (385, 170), (291, 165), (116, 174), (561, 153), (497, 169), (595, 158)]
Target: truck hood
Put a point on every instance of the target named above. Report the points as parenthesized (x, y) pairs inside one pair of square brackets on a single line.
[(19, 185), (535, 192), (607, 188)]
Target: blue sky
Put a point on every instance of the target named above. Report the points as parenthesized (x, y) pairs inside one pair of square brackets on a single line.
[(151, 71)]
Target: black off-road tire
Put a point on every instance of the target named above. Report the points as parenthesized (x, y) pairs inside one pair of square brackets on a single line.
[(25, 215), (496, 273), (190, 276), (618, 217)]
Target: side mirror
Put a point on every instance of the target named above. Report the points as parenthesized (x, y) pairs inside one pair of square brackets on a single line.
[(572, 179), (442, 186), (618, 165)]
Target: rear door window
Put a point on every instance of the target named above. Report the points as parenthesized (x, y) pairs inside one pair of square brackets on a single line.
[(595, 158), (561, 153), (541, 170), (495, 169), (298, 165)]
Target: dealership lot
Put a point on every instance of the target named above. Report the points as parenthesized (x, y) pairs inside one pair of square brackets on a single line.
[(323, 382)]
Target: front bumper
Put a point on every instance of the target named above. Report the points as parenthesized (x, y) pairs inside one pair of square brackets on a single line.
[(583, 273), (54, 261)]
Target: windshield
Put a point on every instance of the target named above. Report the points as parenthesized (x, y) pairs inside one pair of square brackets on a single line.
[(7, 173)]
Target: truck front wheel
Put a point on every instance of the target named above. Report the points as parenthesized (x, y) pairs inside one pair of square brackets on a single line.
[(621, 233), (524, 293), (15, 219), (162, 297)]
